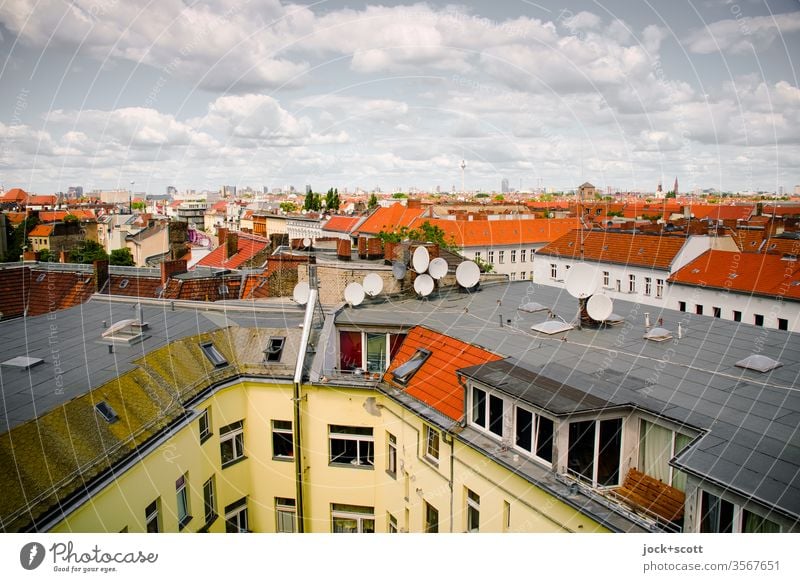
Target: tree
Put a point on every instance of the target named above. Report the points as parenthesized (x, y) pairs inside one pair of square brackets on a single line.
[(399, 195), (670, 195), (18, 237), (288, 206), (122, 258), (426, 233), (499, 198), (47, 256), (138, 205), (373, 202), (71, 218), (87, 252), (308, 204), (332, 202)]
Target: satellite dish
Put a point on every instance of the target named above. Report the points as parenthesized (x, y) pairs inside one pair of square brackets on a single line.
[(300, 293), (373, 284), (581, 281), (599, 307), (468, 274), (306, 242), (421, 259), (423, 284), (438, 268), (399, 270), (354, 294)]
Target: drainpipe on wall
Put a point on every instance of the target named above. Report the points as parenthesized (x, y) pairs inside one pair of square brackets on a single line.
[(296, 399)]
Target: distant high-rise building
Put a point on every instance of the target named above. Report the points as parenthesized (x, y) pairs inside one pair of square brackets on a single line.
[(172, 190), (228, 191), (308, 188), (504, 186), (675, 188), (75, 191), (797, 190)]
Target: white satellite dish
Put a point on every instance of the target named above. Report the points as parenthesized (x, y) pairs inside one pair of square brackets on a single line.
[(373, 284), (421, 259), (468, 274), (581, 281), (423, 285), (438, 268), (306, 242), (399, 270), (300, 293), (599, 307), (354, 294)]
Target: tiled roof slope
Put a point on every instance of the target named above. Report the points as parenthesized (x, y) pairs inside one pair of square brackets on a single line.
[(41, 230), (55, 290), (759, 274), (390, 218), (248, 247), (473, 233), (436, 382), (341, 223), (14, 288), (650, 251), (135, 286)]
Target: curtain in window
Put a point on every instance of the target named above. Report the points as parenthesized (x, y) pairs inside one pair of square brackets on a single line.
[(349, 350), (655, 450), (753, 523), (679, 478)]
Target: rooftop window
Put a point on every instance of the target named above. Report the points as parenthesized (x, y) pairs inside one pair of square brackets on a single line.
[(106, 411), (404, 372), (658, 334), (213, 355), (532, 307), (551, 327), (274, 349), (759, 363)]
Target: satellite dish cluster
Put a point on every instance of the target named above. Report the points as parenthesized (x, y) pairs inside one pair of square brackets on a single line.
[(582, 284)]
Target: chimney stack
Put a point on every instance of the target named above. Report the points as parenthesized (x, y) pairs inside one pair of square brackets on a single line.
[(169, 268)]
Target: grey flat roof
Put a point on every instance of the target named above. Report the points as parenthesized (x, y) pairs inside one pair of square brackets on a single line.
[(751, 420), (70, 343)]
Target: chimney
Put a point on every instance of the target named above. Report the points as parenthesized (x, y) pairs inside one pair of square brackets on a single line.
[(29, 256), (362, 247), (374, 249), (343, 249), (63, 257), (101, 276), (222, 235), (231, 246), (414, 203), (169, 268)]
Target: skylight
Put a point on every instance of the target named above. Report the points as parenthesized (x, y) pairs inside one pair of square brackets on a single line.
[(658, 334), (23, 362), (123, 283), (551, 327), (106, 411), (213, 355), (41, 277), (759, 363), (532, 307), (126, 331), (274, 349), (404, 372)]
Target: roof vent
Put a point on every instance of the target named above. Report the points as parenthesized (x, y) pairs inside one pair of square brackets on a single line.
[(658, 334), (127, 331), (105, 410), (614, 319), (124, 283), (551, 327), (759, 363), (41, 277), (22, 362), (733, 275), (532, 307)]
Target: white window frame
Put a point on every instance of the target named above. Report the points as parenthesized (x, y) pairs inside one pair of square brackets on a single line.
[(659, 288), (501, 257), (205, 419), (152, 515), (182, 500), (209, 500), (631, 283), (478, 255), (234, 433), (523, 275), (391, 455), (596, 452), (433, 444), (488, 396), (490, 256), (606, 279), (513, 256), (361, 439), (648, 286), (236, 516), (281, 430), (534, 435), (512, 276), (553, 271), (523, 255), (285, 511), (473, 510), (358, 516), (391, 523)]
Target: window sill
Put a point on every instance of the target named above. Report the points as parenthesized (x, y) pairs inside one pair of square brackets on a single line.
[(207, 525), (206, 437), (233, 462), (351, 466), (184, 523), (392, 475), (283, 458), (431, 461)]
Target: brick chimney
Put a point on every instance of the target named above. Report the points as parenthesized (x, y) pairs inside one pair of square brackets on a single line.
[(63, 257), (170, 268), (101, 276), (222, 235), (343, 249), (231, 246), (414, 203)]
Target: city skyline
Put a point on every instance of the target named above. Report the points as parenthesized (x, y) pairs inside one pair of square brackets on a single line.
[(363, 94)]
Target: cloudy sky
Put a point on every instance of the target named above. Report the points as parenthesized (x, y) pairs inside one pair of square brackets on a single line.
[(358, 94)]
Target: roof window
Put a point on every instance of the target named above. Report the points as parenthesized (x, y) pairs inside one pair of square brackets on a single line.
[(404, 372), (658, 334), (532, 307), (213, 355), (274, 349), (105, 410), (758, 363), (551, 327)]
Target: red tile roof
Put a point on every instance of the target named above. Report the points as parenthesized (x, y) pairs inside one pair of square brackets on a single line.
[(390, 218), (206, 289), (14, 195), (750, 273), (16, 218), (14, 290), (135, 286), (436, 383), (651, 251), (720, 212), (249, 245), (341, 223), (41, 200), (41, 230), (55, 290), (483, 233), (58, 215)]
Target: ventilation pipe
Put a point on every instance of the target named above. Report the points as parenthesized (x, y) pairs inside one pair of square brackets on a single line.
[(646, 320), (680, 330)]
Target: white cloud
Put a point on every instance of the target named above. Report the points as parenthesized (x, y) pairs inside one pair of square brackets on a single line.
[(742, 35)]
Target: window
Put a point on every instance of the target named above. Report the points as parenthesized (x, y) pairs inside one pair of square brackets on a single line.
[(698, 309), (231, 442), (473, 511), (152, 517), (512, 276), (716, 514), (285, 515), (523, 275), (391, 523), (752, 523), (404, 372), (648, 285), (478, 255), (501, 257), (431, 518), (631, 283), (274, 349), (209, 501), (534, 434), (659, 288), (606, 278), (681, 305), (282, 440), (717, 311), (531, 275), (657, 445), (351, 445), (213, 355), (506, 515), (513, 256), (391, 455), (182, 496), (553, 271), (376, 352), (737, 316), (783, 324), (204, 423), (491, 257), (352, 519), (758, 319), (236, 517), (522, 256), (350, 350), (594, 451), (487, 408), (431, 444), (619, 285)]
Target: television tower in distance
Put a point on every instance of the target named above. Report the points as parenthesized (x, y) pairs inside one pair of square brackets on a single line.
[(463, 167)]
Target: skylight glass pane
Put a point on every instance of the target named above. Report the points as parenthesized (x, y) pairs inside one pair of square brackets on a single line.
[(759, 363), (213, 355), (404, 372), (551, 326)]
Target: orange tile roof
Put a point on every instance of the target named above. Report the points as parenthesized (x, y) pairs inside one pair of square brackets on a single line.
[(341, 223), (436, 383), (390, 218), (650, 251), (751, 273), (40, 200), (248, 246), (473, 233), (14, 195), (58, 215), (55, 290), (41, 230), (16, 218), (722, 212)]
